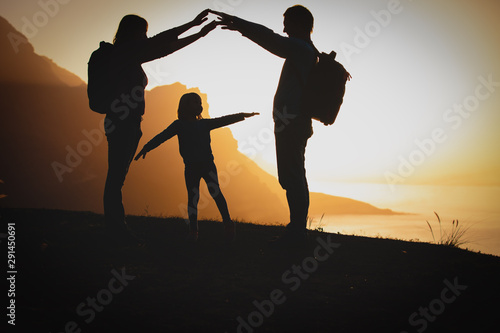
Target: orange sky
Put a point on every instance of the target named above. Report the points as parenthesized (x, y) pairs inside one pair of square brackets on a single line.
[(413, 71)]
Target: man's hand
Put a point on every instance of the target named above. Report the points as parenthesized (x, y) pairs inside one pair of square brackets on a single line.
[(226, 20), (142, 153)]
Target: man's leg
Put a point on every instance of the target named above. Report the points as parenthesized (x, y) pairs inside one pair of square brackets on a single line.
[(290, 153)]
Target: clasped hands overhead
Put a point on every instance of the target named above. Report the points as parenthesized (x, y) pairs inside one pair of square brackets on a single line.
[(225, 21)]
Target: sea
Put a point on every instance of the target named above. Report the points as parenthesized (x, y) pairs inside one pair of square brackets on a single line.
[(475, 210)]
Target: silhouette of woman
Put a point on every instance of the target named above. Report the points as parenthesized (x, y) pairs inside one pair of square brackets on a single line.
[(193, 134), (131, 48)]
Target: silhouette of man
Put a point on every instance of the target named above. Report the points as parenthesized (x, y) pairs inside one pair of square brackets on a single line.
[(292, 128), (130, 49)]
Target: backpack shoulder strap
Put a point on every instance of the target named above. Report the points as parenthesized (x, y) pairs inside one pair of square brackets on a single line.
[(296, 70), (315, 49)]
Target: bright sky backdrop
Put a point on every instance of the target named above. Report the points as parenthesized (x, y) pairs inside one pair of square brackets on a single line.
[(422, 108)]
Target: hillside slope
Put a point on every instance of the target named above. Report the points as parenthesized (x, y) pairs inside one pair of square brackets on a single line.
[(68, 275)]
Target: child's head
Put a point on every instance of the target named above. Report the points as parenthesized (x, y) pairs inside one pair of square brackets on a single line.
[(190, 107)]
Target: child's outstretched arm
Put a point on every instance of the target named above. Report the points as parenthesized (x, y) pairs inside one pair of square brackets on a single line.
[(168, 133), (250, 114), (230, 119)]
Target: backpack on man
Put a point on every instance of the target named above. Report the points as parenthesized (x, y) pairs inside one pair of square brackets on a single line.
[(325, 88)]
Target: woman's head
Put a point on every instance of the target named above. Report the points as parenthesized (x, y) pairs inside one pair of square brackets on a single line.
[(131, 27), (190, 107)]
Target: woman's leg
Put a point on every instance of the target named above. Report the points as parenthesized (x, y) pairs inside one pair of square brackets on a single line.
[(122, 145)]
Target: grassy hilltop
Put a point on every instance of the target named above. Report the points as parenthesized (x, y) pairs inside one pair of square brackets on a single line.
[(70, 280)]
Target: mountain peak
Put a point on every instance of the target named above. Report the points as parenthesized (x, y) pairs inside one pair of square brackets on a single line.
[(20, 63), (12, 41)]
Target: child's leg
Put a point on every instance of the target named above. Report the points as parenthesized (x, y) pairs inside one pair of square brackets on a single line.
[(192, 177), (212, 179)]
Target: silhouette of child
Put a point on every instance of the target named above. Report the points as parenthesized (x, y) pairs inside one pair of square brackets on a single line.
[(193, 133)]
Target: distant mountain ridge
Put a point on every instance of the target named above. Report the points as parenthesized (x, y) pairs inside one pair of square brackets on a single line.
[(20, 63), (54, 150)]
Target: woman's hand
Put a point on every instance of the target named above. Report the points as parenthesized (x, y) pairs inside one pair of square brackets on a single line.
[(201, 18)]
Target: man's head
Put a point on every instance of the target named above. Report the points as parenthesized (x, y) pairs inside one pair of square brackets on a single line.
[(298, 22)]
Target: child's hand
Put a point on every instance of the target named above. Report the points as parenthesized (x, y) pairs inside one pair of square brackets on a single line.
[(248, 115), (142, 153)]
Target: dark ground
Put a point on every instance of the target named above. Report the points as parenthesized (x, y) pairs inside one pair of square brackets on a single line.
[(69, 280)]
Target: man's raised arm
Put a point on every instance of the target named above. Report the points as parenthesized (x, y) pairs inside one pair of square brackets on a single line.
[(259, 34)]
